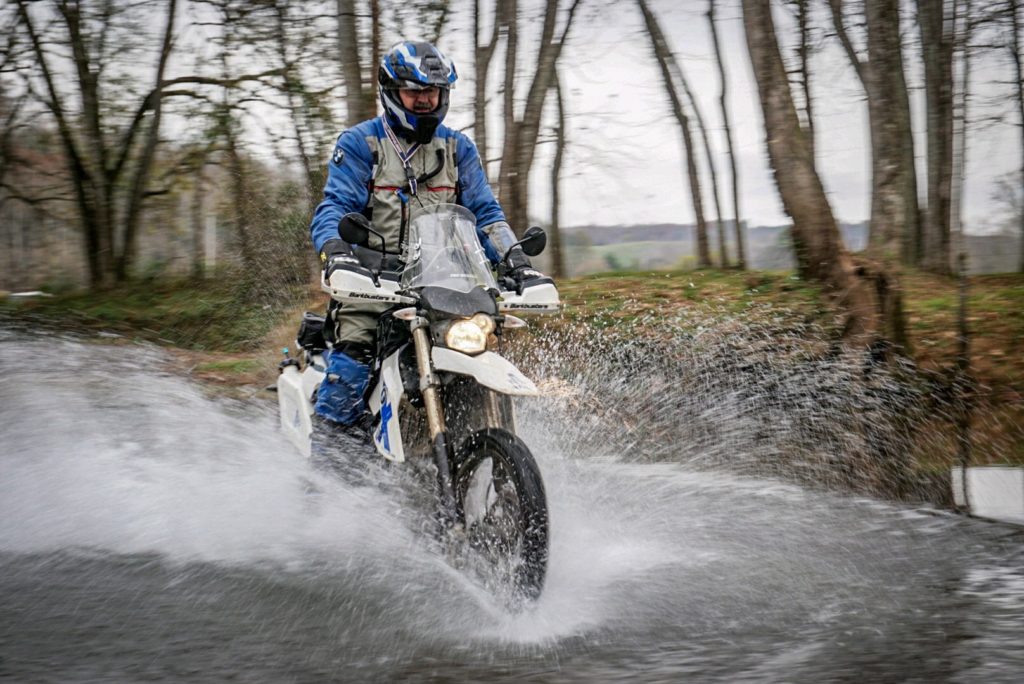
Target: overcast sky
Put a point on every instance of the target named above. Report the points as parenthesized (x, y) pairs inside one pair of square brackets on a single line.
[(625, 158)]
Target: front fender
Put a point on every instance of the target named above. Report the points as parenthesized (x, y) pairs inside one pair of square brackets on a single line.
[(489, 369)]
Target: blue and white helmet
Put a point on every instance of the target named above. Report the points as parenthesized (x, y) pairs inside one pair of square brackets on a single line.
[(414, 65)]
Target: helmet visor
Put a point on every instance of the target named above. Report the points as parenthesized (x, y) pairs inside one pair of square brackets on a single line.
[(399, 84)]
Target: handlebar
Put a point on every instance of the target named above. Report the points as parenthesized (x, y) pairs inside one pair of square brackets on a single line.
[(360, 284)]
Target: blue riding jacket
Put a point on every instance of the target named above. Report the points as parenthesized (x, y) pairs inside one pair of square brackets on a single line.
[(367, 175)]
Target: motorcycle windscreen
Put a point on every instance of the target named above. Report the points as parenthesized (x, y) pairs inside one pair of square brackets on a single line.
[(442, 250)]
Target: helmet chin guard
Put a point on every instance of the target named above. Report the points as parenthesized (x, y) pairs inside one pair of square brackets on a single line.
[(415, 65)]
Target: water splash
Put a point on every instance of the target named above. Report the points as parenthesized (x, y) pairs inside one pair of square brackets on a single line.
[(764, 394), (122, 483)]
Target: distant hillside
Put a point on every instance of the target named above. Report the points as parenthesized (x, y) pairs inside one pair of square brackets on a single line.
[(594, 249)]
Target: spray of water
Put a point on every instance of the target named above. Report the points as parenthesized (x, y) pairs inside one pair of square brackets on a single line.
[(764, 394), (106, 456)]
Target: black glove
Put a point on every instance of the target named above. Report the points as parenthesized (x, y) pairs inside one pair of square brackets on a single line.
[(336, 253), (518, 273)]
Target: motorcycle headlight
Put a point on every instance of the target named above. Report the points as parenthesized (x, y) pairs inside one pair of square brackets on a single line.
[(469, 336)]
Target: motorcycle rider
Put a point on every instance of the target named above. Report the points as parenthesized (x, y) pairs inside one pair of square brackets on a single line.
[(381, 170)]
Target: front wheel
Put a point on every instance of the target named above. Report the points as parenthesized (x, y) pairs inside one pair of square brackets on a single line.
[(500, 500)]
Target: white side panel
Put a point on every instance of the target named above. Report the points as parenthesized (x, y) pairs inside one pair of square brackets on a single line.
[(295, 407), (489, 369), (312, 375), (995, 492), (384, 403)]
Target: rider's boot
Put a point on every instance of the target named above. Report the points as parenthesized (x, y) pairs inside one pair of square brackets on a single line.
[(340, 436), (338, 446)]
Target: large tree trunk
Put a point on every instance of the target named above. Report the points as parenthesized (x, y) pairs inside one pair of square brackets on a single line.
[(665, 61), (894, 208), (819, 250), (741, 254), (895, 214), (1015, 25), (360, 103), (935, 18), (895, 218)]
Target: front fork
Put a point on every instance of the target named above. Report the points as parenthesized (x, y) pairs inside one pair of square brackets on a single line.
[(430, 389)]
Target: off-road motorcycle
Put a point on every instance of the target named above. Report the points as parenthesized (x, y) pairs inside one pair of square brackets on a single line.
[(439, 387)]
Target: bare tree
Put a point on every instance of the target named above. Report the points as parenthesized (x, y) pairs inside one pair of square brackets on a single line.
[(935, 19), (297, 94), (668, 67), (360, 94), (961, 96), (197, 218), (109, 173), (521, 134), (894, 208), (806, 108), (482, 56), (723, 249), (741, 258), (555, 234), (1014, 49), (820, 253)]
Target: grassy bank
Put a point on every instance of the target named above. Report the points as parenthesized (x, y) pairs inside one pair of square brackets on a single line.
[(211, 328), (216, 336)]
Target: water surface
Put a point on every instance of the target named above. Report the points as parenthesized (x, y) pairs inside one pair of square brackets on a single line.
[(150, 532)]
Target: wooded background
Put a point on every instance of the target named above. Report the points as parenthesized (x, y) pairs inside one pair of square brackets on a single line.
[(130, 131)]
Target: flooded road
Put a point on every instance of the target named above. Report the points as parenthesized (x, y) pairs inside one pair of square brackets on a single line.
[(148, 532)]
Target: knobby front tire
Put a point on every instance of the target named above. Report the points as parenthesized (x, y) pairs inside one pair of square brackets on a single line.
[(500, 499)]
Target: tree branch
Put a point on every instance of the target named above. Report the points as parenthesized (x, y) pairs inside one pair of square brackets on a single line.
[(840, 25), (53, 103)]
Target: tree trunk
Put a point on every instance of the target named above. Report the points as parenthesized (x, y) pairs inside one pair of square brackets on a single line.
[(376, 52), (555, 235), (239, 194), (506, 176), (1019, 95), (804, 54), (520, 147), (359, 100), (197, 223), (935, 18), (105, 174), (482, 55), (741, 255), (723, 250), (961, 90), (292, 84), (126, 258), (894, 208), (895, 214), (665, 59), (820, 254)]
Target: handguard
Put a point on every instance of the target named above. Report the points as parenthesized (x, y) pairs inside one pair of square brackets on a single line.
[(353, 283), (541, 298)]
